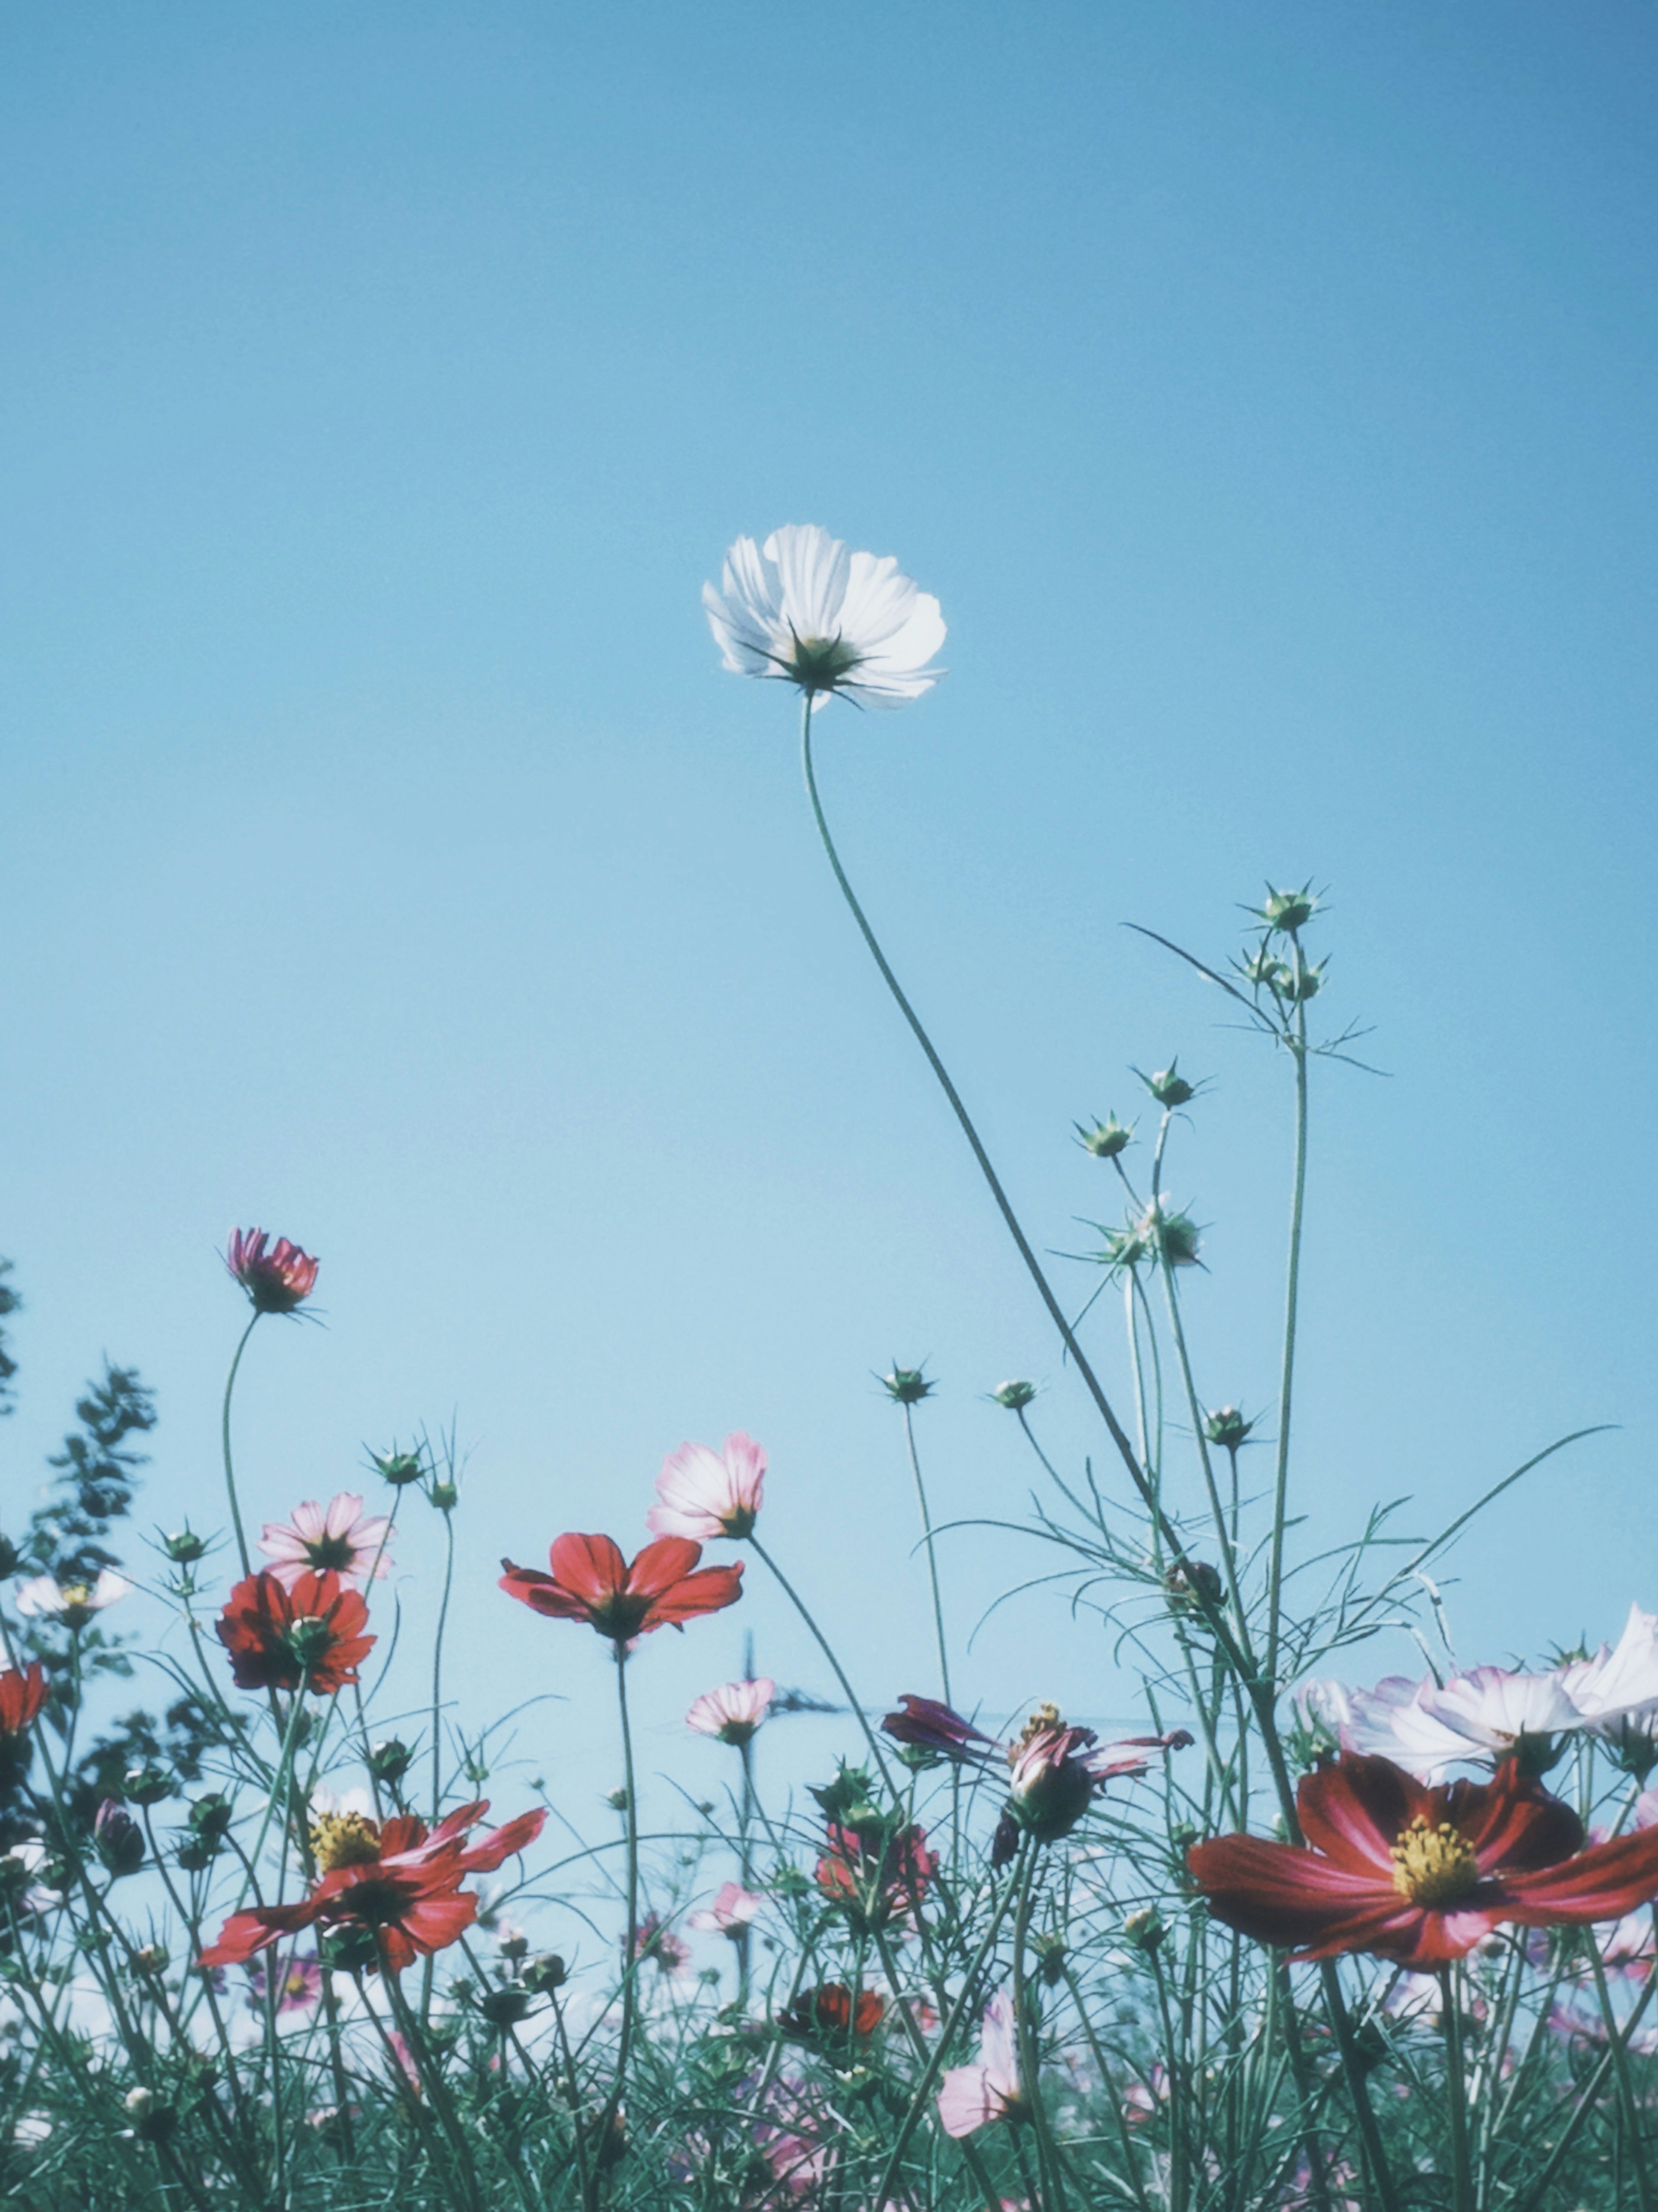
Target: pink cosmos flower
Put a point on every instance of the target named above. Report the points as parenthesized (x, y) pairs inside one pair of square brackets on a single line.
[(299, 1983), (1427, 1728), (704, 1493), (652, 1941), (971, 2096), (1617, 1685), (275, 1281), (731, 1914), (733, 1712), (343, 1541)]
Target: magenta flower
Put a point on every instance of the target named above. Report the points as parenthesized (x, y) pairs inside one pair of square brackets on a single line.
[(276, 1281), (705, 1493), (731, 1914), (971, 2096), (732, 1713), (652, 1941), (298, 1983), (345, 1540)]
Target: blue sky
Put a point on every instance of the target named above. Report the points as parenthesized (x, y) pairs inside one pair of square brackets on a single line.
[(1267, 395)]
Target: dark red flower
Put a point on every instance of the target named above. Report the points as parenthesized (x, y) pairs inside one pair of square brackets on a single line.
[(831, 2009), (21, 1696), (1416, 1875), (874, 1875), (930, 1726), (590, 1581), (276, 1281), (395, 1886), (309, 1637)]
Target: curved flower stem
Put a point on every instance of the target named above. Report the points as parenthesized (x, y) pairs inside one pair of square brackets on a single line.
[(224, 1438), (824, 1646), (931, 1556), (1024, 2029), (1618, 2053), (630, 1965), (1297, 1045), (1217, 1511)]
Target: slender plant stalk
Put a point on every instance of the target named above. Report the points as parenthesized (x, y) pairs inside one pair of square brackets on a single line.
[(1450, 1997), (630, 1964), (1619, 2055), (1047, 2156), (1297, 1044), (827, 1648), (224, 1438), (932, 1555)]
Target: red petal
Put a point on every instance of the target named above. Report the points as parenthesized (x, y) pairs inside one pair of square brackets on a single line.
[(661, 1564), (590, 1567), (706, 1591), (1281, 1894), (1601, 1884), (1515, 1824), (1355, 1809), (434, 1921), (245, 1933), (500, 1843), (541, 1594)]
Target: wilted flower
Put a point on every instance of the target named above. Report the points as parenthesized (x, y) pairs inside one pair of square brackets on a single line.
[(804, 609), (276, 1281), (1419, 1875), (1016, 1396), (731, 1914), (971, 2096), (1105, 1139), (308, 1635), (343, 1541), (591, 1582), (831, 2009), (733, 1712), (22, 1693), (73, 1604), (703, 1493)]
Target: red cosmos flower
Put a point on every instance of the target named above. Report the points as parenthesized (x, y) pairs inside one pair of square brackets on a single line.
[(21, 1696), (308, 1638), (396, 1886), (275, 1281), (831, 2009), (875, 1876), (591, 1582), (1419, 1875)]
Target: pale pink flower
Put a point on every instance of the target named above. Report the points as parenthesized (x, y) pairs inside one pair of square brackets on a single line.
[(733, 1712), (658, 1943), (803, 609), (1619, 1684), (1426, 1727), (705, 1493), (277, 1281), (971, 2096), (299, 1983), (731, 1914), (343, 1541), (1141, 2100)]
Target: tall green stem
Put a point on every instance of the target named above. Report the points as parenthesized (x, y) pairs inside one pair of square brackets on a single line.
[(224, 1438), (1450, 1999), (1025, 2030), (827, 1648), (932, 1557), (630, 1964), (1292, 1292)]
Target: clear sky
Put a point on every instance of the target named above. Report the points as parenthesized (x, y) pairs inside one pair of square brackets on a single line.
[(1267, 394)]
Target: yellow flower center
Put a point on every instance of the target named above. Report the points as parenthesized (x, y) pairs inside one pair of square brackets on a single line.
[(1041, 1721), (1434, 1866), (343, 1839)]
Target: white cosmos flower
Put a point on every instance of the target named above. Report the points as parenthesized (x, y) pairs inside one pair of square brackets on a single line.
[(73, 1602), (802, 608), (1427, 1728), (1620, 1683)]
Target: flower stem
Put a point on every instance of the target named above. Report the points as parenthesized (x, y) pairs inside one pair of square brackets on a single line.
[(824, 1646), (1291, 1293), (1455, 2092), (932, 1557), (224, 1438), (630, 1965), (1024, 2029)]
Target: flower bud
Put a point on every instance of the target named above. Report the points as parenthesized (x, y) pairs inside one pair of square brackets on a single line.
[(1289, 911), (445, 1497), (1106, 1139), (1016, 1396), (139, 2102), (390, 1761), (616, 1800), (1050, 1959), (184, 1547), (504, 2007), (151, 1958), (1145, 1931), (1265, 971), (351, 1948), (544, 1973), (1169, 1087), (146, 1785), (1308, 984), (1227, 1428), (1171, 1233), (1189, 1583), (906, 1386), (118, 1838), (10, 1559), (514, 1947), (398, 1468)]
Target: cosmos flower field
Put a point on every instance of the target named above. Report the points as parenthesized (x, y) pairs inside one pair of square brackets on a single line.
[(1299, 1938)]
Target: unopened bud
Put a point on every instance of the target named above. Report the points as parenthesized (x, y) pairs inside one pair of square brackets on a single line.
[(1169, 1086), (118, 1838), (390, 1761), (543, 1974), (146, 1785), (616, 1800), (1307, 983), (503, 2007), (151, 1958), (1145, 1931), (184, 1547), (514, 1947), (1289, 911), (1265, 971), (10, 1559), (1189, 1582), (1050, 1959), (906, 1386), (445, 1497), (398, 1468), (1016, 1396), (1226, 1428), (1105, 1139), (139, 2102)]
